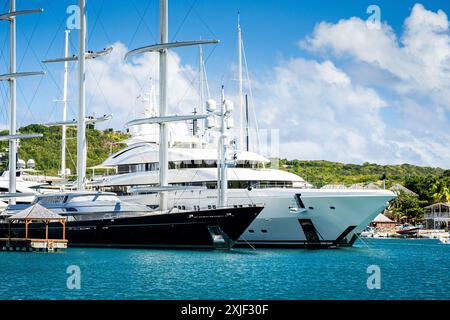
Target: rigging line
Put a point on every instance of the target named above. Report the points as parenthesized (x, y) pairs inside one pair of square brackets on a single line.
[(194, 78), (26, 103), (96, 19), (204, 23), (250, 89), (176, 200), (184, 20), (44, 66), (28, 41), (110, 40), (100, 89), (141, 20), (97, 88), (189, 87)]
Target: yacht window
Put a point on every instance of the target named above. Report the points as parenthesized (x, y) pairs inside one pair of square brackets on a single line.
[(52, 199)]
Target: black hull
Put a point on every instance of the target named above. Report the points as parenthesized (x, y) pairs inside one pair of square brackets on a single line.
[(192, 230)]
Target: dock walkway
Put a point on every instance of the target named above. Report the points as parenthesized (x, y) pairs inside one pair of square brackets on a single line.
[(27, 245)]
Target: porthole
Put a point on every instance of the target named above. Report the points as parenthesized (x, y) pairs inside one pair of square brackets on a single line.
[(264, 231), (251, 231), (332, 208), (311, 208)]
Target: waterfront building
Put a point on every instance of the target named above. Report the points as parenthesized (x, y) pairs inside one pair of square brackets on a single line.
[(381, 222), (437, 216)]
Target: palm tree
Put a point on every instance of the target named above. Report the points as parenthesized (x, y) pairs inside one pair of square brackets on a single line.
[(441, 192)]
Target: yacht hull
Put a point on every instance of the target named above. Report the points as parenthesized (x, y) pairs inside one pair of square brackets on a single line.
[(323, 219), (206, 229)]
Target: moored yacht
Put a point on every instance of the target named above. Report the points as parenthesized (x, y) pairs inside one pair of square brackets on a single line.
[(295, 214), (96, 219), (101, 219)]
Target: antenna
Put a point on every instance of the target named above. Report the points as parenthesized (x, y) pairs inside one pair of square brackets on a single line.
[(240, 76)]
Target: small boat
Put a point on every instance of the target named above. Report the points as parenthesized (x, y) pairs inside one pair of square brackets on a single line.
[(368, 232), (407, 229), (444, 240)]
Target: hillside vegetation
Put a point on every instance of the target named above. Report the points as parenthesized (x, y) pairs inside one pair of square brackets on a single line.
[(46, 151)]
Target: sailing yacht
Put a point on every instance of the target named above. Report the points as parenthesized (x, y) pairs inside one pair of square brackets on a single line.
[(295, 213), (101, 219)]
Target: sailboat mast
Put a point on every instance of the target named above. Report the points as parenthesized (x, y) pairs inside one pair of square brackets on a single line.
[(13, 103), (65, 102), (81, 125), (163, 127), (241, 96), (200, 70), (247, 129)]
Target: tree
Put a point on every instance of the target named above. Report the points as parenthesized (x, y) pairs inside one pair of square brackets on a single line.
[(441, 192), (409, 206)]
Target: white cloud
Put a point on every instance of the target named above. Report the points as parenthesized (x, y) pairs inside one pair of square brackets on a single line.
[(326, 112), (113, 85)]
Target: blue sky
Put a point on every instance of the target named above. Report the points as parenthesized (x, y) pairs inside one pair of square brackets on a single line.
[(272, 32)]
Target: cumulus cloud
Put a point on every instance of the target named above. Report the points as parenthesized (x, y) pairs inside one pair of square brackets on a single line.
[(401, 115)]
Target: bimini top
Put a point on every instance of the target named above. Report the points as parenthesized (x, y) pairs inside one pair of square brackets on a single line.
[(149, 153)]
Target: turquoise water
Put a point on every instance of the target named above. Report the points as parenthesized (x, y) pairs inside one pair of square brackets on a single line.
[(410, 269)]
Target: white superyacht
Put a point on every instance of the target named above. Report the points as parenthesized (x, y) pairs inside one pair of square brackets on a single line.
[(295, 214)]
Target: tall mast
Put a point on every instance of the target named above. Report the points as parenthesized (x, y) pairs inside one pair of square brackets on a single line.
[(200, 70), (11, 78), (163, 118), (13, 102), (81, 125), (241, 96), (163, 132), (247, 129), (65, 102)]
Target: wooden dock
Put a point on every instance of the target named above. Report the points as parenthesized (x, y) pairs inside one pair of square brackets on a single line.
[(28, 245)]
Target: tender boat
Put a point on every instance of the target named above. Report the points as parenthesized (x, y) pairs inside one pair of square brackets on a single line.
[(407, 229)]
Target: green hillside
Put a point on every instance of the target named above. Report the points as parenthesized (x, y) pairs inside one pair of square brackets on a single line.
[(431, 184), (46, 151), (325, 172)]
